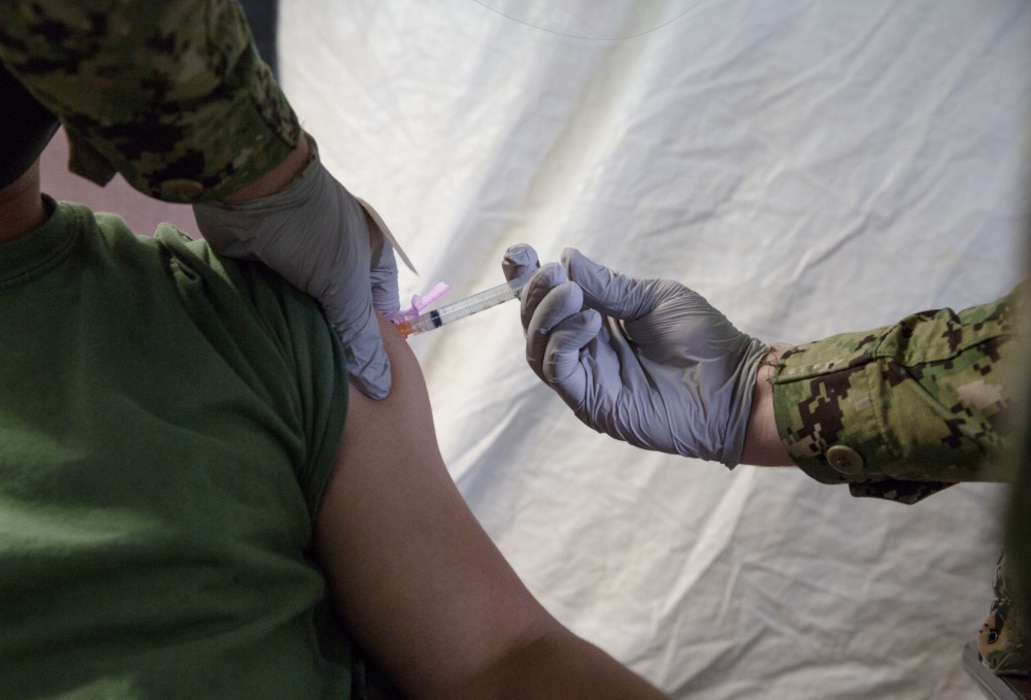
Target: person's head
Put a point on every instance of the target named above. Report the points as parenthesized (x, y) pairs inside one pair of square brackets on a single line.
[(26, 127)]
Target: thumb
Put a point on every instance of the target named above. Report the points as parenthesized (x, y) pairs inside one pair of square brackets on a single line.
[(610, 292), (383, 279), (520, 262), (368, 365)]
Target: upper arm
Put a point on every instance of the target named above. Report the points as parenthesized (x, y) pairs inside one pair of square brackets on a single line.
[(413, 576)]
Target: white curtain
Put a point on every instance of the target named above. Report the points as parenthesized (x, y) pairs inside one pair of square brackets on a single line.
[(810, 168)]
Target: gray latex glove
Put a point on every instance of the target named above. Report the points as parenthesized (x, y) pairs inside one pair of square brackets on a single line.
[(645, 361), (320, 239)]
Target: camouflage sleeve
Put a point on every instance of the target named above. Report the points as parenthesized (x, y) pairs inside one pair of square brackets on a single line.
[(903, 411), (170, 93)]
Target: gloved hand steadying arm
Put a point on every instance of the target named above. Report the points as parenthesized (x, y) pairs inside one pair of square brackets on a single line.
[(646, 361), (320, 239)]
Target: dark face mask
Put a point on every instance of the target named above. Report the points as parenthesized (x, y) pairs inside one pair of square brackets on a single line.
[(26, 127)]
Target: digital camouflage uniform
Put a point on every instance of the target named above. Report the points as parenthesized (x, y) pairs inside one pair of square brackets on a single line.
[(904, 411), (172, 95)]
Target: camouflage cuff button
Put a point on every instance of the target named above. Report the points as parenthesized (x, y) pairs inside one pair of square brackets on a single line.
[(845, 460), (181, 190)]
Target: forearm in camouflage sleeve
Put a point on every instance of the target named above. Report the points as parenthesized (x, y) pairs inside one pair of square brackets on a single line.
[(901, 411), (171, 94)]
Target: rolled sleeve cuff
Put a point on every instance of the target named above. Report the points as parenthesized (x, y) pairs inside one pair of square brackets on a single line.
[(902, 411), (808, 403)]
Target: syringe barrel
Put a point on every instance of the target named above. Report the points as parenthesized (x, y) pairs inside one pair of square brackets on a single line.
[(477, 302), (464, 307)]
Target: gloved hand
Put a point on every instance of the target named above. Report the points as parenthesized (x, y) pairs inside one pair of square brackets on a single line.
[(645, 361), (320, 239)]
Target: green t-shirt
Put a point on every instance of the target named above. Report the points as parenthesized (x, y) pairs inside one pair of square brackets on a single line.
[(168, 421)]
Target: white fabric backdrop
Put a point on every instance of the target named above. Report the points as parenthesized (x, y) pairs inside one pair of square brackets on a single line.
[(808, 167)]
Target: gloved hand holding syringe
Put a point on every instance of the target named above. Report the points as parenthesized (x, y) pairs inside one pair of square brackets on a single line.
[(522, 255)]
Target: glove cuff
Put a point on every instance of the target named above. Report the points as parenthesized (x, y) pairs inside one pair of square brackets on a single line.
[(741, 402)]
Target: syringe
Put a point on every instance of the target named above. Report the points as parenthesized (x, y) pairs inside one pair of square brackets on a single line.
[(462, 308)]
